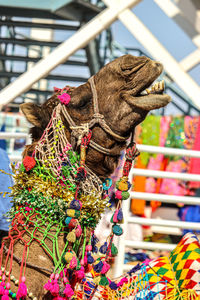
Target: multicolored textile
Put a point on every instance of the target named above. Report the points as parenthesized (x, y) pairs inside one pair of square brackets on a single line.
[(194, 166), (176, 277)]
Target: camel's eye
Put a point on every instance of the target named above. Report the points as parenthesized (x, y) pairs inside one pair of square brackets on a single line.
[(84, 103)]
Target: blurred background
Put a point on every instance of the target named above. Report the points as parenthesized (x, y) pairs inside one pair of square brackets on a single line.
[(165, 30)]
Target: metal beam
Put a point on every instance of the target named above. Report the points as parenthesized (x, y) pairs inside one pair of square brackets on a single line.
[(191, 60), (80, 39), (158, 51), (172, 11)]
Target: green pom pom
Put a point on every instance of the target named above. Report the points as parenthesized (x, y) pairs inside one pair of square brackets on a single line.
[(114, 250), (77, 213), (104, 281), (125, 195), (22, 168), (117, 230)]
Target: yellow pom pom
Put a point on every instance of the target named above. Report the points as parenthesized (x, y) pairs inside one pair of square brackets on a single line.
[(71, 213), (68, 256), (97, 279), (123, 185), (71, 237)]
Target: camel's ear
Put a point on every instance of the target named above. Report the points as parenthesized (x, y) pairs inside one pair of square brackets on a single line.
[(81, 95), (33, 113)]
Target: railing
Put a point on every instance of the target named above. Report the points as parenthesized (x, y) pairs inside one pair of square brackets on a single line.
[(167, 224), (15, 135)]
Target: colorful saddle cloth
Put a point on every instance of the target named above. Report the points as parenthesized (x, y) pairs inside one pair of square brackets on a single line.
[(176, 277)]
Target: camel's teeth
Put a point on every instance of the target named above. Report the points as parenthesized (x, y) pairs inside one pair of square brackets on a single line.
[(148, 91)]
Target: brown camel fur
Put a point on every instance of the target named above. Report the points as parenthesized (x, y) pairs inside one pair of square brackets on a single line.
[(119, 85)]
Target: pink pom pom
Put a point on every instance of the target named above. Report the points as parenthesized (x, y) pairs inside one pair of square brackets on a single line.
[(52, 276), (122, 281), (73, 263), (68, 292), (64, 98), (115, 216), (82, 262), (22, 290), (80, 274), (57, 276), (6, 295), (146, 261), (55, 288), (118, 195), (48, 286), (2, 290), (8, 285), (89, 248), (78, 231), (106, 268)]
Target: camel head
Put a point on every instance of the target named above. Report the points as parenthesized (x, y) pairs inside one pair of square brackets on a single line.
[(120, 87)]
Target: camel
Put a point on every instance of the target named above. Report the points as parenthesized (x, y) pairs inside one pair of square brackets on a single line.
[(103, 113)]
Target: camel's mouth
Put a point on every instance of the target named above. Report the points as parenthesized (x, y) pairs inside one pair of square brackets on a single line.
[(156, 88)]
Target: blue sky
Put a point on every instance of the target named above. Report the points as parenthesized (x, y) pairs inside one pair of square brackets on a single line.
[(164, 29)]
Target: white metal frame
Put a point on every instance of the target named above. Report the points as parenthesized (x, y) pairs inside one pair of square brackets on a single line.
[(116, 9), (123, 243), (79, 40)]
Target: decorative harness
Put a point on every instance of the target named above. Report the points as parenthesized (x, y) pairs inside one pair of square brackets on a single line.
[(79, 131)]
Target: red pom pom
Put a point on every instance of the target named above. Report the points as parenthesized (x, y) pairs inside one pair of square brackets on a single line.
[(29, 163)]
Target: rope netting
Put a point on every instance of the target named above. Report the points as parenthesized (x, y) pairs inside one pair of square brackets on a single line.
[(53, 153)]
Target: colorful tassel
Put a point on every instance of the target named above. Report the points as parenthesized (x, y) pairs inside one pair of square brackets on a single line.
[(22, 290), (104, 281), (73, 263), (6, 295), (90, 258), (55, 288), (71, 237), (68, 291), (117, 230), (106, 268), (2, 290), (118, 195), (114, 250), (98, 267), (115, 220), (67, 257), (113, 286), (125, 195), (80, 274), (103, 249), (78, 231), (97, 279), (120, 215), (75, 204)]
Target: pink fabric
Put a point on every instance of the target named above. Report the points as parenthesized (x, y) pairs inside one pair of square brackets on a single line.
[(194, 166), (172, 186), (156, 162)]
